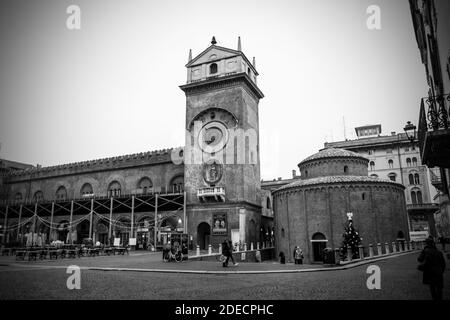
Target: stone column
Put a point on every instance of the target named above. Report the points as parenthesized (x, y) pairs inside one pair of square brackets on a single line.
[(198, 250), (209, 249), (370, 251), (394, 247), (386, 246), (251, 246)]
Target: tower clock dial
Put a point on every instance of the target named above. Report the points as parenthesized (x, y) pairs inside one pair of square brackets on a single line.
[(213, 137)]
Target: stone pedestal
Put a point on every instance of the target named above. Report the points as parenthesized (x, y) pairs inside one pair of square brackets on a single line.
[(394, 247), (370, 251), (361, 251), (349, 254), (198, 250), (386, 247), (379, 250), (220, 248)]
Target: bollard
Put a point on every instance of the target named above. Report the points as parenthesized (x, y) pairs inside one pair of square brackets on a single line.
[(198, 250), (209, 249), (394, 247), (220, 248), (337, 256), (400, 247), (251, 246), (349, 253), (257, 246), (386, 247), (361, 251), (379, 251), (370, 251)]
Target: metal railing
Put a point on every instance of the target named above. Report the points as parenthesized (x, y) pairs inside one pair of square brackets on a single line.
[(434, 115), (211, 191)]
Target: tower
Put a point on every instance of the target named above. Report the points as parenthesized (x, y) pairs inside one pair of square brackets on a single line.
[(221, 156)]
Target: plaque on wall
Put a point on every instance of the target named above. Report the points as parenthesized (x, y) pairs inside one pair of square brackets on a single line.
[(219, 224)]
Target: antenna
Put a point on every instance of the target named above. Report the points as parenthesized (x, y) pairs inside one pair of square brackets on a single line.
[(345, 133)]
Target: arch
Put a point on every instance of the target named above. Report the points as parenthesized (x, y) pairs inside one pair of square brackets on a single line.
[(413, 197), (102, 231), (145, 185), (318, 244), (86, 189), (82, 229), (144, 232), (177, 183), (392, 176), (38, 196), (61, 193), (419, 197), (414, 162), (411, 178), (203, 235), (121, 229), (213, 68), (62, 230), (416, 178), (114, 189), (374, 175), (372, 165)]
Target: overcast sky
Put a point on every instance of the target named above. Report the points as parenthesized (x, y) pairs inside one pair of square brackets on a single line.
[(111, 88)]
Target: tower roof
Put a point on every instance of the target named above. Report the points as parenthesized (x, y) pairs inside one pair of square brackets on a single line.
[(333, 153)]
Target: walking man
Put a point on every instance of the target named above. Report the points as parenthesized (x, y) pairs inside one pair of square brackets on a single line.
[(229, 254), (433, 266)]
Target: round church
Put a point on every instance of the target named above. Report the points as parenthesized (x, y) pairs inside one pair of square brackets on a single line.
[(312, 212)]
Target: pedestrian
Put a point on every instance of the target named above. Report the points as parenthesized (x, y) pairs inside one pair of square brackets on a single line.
[(433, 266), (225, 253), (298, 255), (230, 254), (282, 258)]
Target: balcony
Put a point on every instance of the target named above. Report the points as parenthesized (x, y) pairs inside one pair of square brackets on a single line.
[(435, 177), (216, 193), (434, 131), (422, 207)]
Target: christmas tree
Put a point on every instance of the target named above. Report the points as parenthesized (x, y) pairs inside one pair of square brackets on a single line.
[(351, 239)]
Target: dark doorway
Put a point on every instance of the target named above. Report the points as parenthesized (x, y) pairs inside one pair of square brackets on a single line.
[(319, 243), (82, 231), (203, 234)]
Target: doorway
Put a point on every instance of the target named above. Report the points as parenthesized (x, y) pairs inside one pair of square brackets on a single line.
[(82, 231), (203, 235), (319, 242)]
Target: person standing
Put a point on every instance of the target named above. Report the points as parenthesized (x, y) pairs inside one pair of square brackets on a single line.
[(433, 266), (229, 254), (298, 255)]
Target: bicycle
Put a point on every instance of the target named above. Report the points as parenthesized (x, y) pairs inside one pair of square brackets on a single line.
[(170, 256)]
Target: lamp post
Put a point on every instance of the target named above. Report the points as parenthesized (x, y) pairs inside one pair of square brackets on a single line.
[(410, 131)]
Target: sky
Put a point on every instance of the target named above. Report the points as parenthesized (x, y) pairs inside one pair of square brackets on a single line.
[(112, 87)]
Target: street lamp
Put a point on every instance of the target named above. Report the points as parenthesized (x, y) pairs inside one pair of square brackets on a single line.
[(410, 131)]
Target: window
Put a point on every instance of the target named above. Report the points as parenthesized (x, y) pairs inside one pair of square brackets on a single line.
[(345, 169), (38, 196), (414, 162), (213, 68), (391, 163), (416, 178), (419, 197), (268, 203), (145, 184), (114, 189), (86, 189), (411, 178), (408, 162), (389, 151), (61, 193), (306, 173), (248, 71), (363, 196), (406, 149), (413, 197), (392, 176), (372, 165), (282, 232), (177, 184), (374, 176), (371, 151)]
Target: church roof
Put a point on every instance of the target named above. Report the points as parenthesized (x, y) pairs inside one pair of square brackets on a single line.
[(329, 180), (333, 153)]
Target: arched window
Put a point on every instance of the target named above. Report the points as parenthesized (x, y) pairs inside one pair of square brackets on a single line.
[(345, 169), (38, 196), (114, 189), (86, 189), (411, 178), (391, 163), (374, 176), (372, 165), (282, 232), (18, 197), (408, 162), (268, 203), (416, 178), (392, 176), (306, 173), (363, 196), (213, 68), (61, 193), (419, 197), (248, 71), (413, 197), (414, 162), (177, 184), (145, 185)]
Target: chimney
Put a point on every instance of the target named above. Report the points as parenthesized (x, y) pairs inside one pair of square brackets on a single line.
[(393, 133), (294, 174), (279, 178)]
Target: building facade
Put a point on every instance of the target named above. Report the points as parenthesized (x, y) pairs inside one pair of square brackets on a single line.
[(397, 158), (311, 212), (431, 22)]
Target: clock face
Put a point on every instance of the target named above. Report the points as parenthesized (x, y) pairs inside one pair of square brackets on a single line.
[(213, 137)]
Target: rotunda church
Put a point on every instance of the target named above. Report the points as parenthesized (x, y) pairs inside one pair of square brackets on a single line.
[(312, 212)]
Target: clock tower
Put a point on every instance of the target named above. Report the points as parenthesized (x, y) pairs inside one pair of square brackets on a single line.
[(221, 155)]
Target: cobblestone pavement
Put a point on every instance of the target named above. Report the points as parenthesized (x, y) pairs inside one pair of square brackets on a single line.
[(399, 280)]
